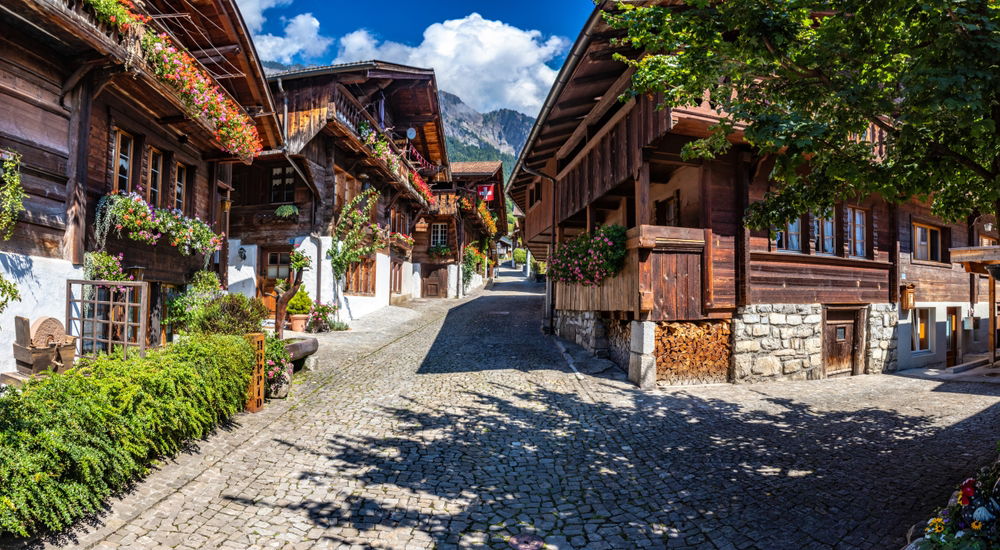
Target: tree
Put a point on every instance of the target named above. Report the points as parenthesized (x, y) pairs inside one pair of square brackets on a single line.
[(298, 263), (355, 236), (807, 79)]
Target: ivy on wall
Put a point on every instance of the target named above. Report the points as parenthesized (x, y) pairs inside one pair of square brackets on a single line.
[(11, 205)]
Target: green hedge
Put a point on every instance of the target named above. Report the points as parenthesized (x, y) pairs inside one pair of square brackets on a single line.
[(520, 255), (69, 441)]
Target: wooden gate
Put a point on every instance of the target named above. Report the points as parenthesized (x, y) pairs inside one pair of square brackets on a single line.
[(434, 281)]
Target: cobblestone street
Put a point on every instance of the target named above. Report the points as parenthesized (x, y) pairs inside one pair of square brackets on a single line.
[(466, 426)]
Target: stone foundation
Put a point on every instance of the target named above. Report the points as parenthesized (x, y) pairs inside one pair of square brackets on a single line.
[(585, 329), (777, 341), (880, 353), (619, 335)]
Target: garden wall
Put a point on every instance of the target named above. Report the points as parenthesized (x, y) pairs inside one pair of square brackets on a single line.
[(585, 329)]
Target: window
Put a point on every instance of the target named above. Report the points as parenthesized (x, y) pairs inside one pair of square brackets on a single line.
[(360, 278), (841, 334), (667, 211), (926, 242), (124, 145), (399, 221), (987, 241), (282, 185), (789, 237), (824, 234), (857, 232), (278, 265), (920, 329), (439, 234), (180, 185), (154, 181)]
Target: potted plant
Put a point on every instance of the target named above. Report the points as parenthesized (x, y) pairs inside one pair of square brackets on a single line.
[(288, 212), (298, 310)]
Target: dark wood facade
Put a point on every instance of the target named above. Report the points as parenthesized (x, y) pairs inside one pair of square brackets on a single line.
[(71, 88), (326, 114), (594, 160)]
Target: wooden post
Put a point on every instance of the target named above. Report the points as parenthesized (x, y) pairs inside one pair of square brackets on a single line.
[(643, 211), (993, 321), (255, 390)]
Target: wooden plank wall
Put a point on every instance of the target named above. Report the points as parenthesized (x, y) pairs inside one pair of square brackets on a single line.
[(613, 158), (935, 281), (35, 125), (619, 293)]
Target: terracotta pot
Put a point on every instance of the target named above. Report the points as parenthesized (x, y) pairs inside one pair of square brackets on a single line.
[(298, 322)]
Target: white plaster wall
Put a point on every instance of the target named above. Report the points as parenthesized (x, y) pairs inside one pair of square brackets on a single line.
[(475, 282), (415, 280), (242, 274), (355, 307), (969, 342), (454, 281), (42, 284), (321, 270)]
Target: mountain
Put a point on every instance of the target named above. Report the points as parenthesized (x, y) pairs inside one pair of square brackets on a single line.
[(471, 135)]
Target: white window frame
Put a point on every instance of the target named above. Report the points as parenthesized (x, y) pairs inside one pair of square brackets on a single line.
[(439, 234), (915, 330)]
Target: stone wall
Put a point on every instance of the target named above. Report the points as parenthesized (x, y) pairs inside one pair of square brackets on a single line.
[(777, 341), (585, 329), (881, 353), (619, 335)]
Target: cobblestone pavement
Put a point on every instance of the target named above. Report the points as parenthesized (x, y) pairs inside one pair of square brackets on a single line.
[(461, 425)]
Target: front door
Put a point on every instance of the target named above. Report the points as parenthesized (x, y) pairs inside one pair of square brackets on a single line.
[(951, 337), (838, 342), (435, 281)]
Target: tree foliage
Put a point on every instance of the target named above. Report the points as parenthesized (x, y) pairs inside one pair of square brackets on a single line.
[(807, 79), (355, 237)]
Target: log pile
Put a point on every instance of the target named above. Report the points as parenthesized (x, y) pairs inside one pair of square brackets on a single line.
[(692, 353), (619, 341)]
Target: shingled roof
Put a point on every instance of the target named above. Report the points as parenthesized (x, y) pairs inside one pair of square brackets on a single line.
[(477, 168)]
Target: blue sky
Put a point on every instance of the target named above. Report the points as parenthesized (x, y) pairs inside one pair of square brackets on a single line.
[(492, 54)]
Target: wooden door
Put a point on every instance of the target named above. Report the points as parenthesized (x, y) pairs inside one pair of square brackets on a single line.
[(951, 337), (435, 281), (838, 342)]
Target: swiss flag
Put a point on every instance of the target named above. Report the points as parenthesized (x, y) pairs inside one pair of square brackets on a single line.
[(486, 192)]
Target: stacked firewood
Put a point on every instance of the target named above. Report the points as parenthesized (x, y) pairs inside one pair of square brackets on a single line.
[(692, 353)]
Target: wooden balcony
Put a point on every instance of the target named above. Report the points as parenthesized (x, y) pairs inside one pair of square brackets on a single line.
[(667, 276)]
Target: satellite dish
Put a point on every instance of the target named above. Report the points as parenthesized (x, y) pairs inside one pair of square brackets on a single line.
[(411, 133)]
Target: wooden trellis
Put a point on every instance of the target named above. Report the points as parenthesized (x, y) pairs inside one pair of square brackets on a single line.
[(107, 316)]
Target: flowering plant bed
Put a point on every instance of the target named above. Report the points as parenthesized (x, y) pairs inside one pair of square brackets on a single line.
[(439, 251), (589, 259), (422, 188), (401, 238), (321, 317), (487, 217), (172, 65), (134, 218), (970, 520)]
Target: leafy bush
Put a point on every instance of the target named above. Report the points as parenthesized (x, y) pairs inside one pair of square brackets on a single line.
[(231, 314), (276, 360), (184, 311), (540, 268), (520, 255), (320, 317), (300, 304), (589, 258), (287, 211), (69, 441)]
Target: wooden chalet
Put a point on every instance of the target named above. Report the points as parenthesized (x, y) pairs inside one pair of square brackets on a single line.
[(332, 117), (702, 298), (89, 117), (443, 233)]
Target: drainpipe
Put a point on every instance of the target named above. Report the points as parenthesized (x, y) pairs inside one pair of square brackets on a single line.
[(549, 285)]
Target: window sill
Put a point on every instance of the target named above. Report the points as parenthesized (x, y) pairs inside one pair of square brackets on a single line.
[(930, 263), (922, 353)]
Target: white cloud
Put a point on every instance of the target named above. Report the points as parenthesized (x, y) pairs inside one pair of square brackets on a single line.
[(301, 37), (253, 11), (489, 64)]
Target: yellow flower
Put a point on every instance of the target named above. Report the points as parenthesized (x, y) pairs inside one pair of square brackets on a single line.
[(938, 528), (977, 525)]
